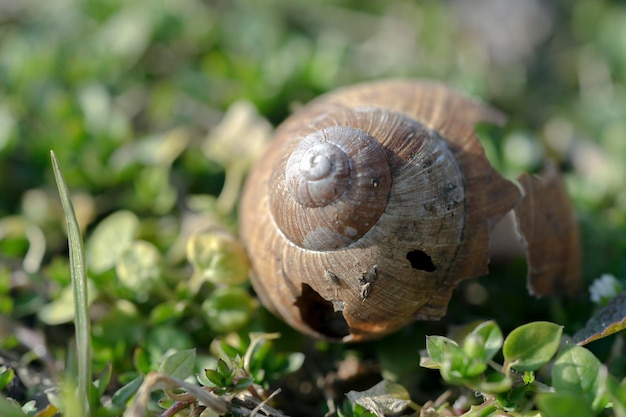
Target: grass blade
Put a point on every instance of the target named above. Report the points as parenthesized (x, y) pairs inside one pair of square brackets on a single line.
[(79, 286)]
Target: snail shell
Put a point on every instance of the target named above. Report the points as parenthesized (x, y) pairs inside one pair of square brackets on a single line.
[(369, 206)]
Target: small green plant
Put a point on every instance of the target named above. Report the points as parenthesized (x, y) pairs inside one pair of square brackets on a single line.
[(234, 387), (227, 389), (226, 379), (579, 385)]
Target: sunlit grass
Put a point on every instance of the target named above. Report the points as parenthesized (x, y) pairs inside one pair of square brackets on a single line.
[(79, 287)]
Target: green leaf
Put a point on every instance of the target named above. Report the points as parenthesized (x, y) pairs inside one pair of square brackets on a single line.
[(528, 377), (493, 383), (165, 338), (223, 368), (231, 351), (154, 190), (436, 346), (109, 239), (458, 368), (456, 365), (515, 399), (6, 376), (294, 363), (105, 377), (563, 405), (61, 310), (214, 377), (386, 397), (609, 320), (230, 378), (617, 392), (474, 367), (492, 339), (180, 364), (79, 285), (474, 346), (166, 312), (138, 268), (217, 257), (125, 393), (257, 341), (203, 379), (482, 410), (244, 383), (530, 346), (227, 309), (141, 360), (10, 409), (576, 371)]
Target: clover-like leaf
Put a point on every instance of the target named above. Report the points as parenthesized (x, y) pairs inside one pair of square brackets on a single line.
[(218, 257), (576, 371), (179, 364), (109, 239), (138, 267), (532, 345)]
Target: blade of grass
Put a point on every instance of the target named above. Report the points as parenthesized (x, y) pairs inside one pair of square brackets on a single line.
[(79, 286)]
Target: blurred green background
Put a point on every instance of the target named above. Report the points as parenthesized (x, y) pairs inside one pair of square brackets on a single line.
[(131, 95), (87, 78)]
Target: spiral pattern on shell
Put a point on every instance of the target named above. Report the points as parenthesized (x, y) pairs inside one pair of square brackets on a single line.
[(336, 186)]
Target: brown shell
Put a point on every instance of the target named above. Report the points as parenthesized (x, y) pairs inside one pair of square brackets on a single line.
[(549, 231), (393, 260)]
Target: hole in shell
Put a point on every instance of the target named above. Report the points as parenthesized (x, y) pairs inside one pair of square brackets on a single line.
[(320, 315), (420, 260)]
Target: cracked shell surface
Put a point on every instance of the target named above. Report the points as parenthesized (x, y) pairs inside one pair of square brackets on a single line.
[(406, 215)]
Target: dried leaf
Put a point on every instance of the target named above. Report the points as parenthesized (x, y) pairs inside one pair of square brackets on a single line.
[(611, 319), (386, 397), (547, 223)]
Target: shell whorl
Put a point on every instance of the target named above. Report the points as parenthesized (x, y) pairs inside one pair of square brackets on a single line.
[(318, 172), (337, 182)]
